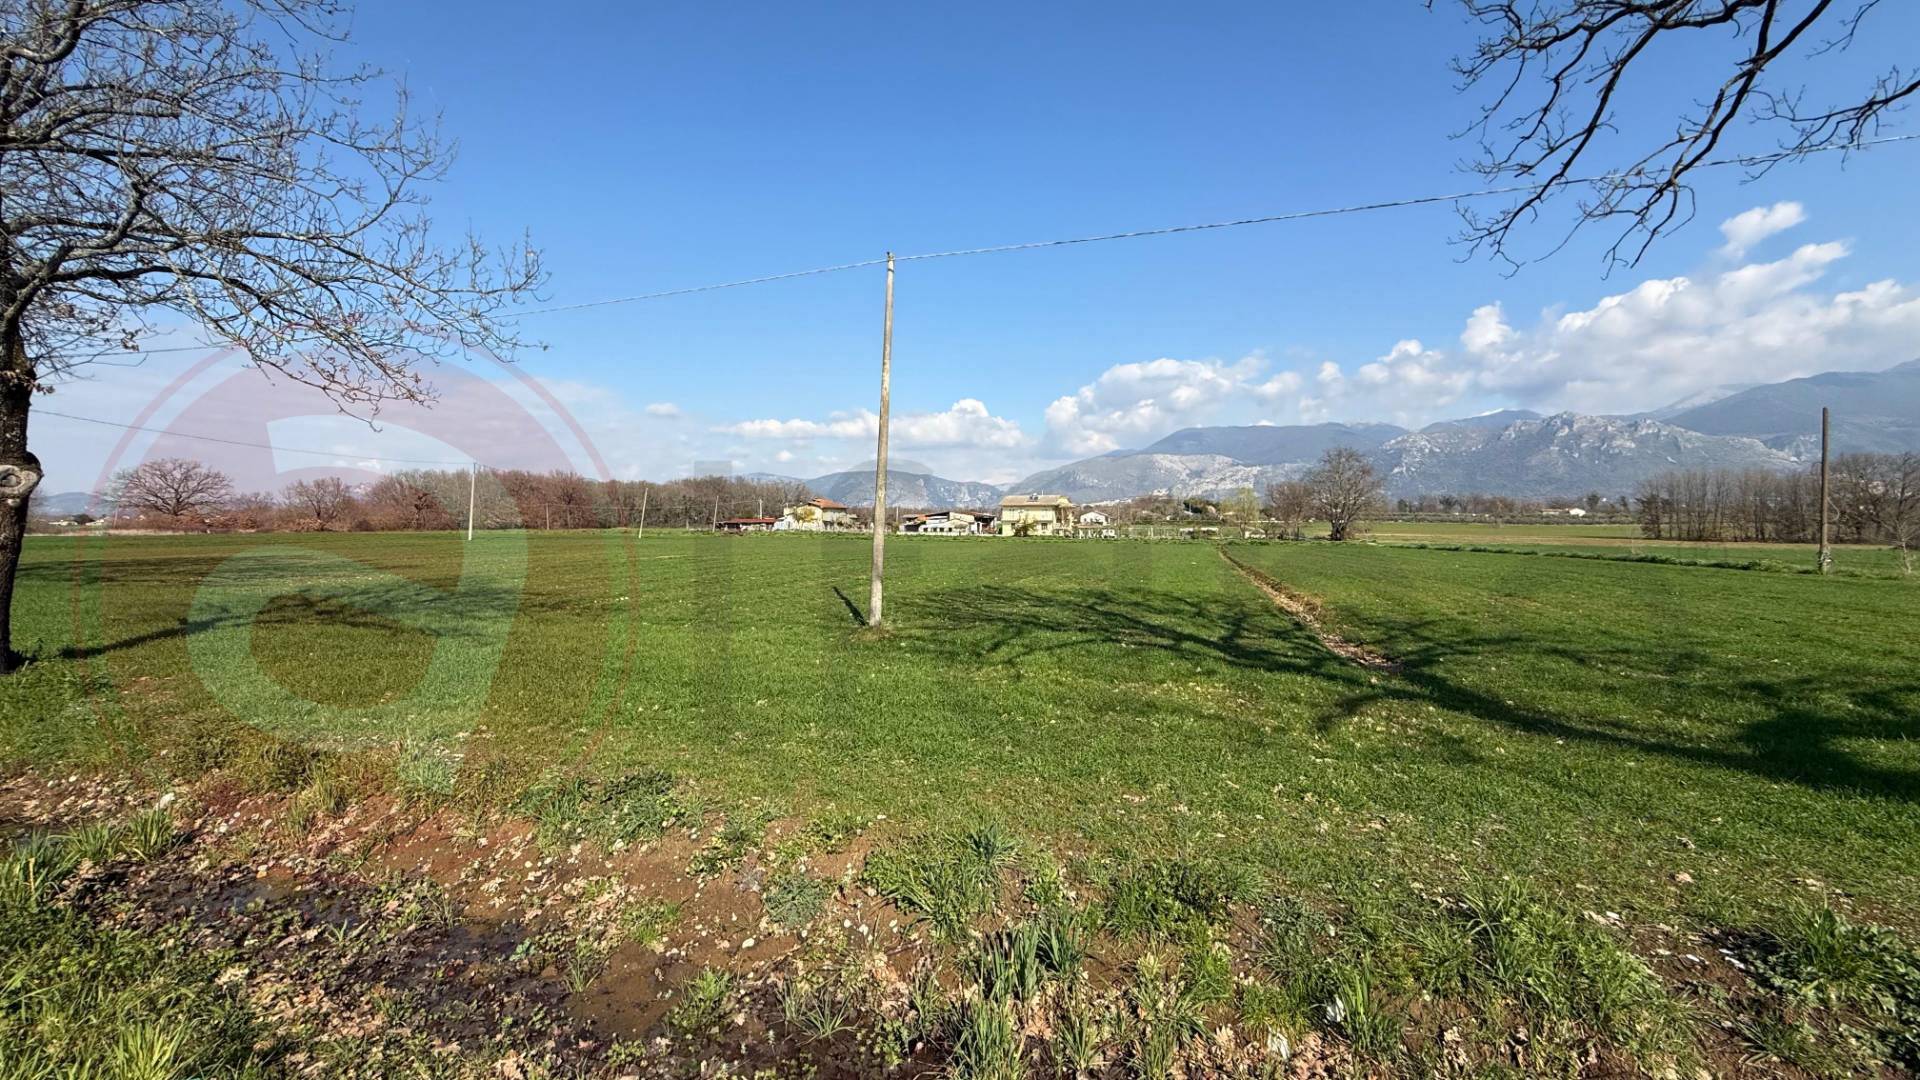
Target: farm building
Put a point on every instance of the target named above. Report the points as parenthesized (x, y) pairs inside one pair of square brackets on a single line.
[(817, 515), (1036, 515), (1097, 524), (745, 524), (949, 523)]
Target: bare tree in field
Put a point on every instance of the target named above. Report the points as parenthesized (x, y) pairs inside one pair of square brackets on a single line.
[(171, 487), (1556, 70), (1345, 490), (1241, 508), (325, 500), (200, 160), (1290, 504)]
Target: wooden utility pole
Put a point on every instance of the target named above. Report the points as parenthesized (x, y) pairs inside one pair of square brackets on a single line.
[(473, 478), (643, 513), (880, 457), (1826, 507)]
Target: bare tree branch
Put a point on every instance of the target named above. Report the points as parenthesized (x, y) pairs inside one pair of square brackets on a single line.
[(172, 488), (204, 159), (1559, 69)]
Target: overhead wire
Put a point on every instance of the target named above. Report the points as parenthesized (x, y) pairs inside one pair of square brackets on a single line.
[(995, 249), (1166, 230), (242, 442)]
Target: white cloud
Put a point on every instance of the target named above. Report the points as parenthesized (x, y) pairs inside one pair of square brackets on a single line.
[(1408, 384), (1131, 403), (1657, 342), (860, 423), (663, 409), (1745, 230), (967, 422), (1671, 337)]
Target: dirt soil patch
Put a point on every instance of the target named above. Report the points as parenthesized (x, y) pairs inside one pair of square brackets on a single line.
[(1305, 610)]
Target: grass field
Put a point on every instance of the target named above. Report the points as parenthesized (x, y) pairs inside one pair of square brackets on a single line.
[(1605, 755), (1625, 542)]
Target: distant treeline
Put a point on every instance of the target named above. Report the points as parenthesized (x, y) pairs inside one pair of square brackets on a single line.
[(1875, 498), (188, 495), (1592, 504)]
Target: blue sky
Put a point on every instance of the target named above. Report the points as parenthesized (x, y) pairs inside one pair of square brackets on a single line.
[(651, 147)]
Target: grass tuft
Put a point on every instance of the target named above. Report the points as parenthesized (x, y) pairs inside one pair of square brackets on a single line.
[(793, 898), (703, 1003), (949, 882), (988, 1045), (1159, 898)]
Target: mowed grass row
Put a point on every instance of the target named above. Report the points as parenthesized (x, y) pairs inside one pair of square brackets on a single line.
[(1668, 740), (1632, 722), (1625, 542)]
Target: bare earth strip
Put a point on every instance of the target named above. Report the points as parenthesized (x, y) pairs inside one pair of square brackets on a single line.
[(1305, 610)]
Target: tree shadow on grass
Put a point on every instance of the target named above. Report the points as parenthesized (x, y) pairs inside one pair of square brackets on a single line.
[(455, 615), (852, 609), (1798, 739)]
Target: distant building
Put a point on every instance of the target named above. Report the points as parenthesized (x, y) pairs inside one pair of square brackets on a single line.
[(746, 524), (1036, 515), (817, 515), (949, 523), (1094, 523)]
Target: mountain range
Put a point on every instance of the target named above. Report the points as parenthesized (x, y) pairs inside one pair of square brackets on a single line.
[(919, 489), (1513, 452), (1873, 411)]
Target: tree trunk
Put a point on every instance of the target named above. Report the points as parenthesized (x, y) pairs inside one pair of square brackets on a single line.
[(19, 473)]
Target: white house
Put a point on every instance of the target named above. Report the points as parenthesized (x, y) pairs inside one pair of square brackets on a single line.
[(1036, 515), (1095, 523), (817, 515), (948, 523)]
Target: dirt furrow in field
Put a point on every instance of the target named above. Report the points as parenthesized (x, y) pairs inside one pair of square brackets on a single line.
[(1305, 610)]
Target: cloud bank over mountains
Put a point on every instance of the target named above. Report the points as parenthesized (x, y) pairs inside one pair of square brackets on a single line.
[(1660, 341), (1739, 319)]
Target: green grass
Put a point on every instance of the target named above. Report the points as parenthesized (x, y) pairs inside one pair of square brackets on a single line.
[(1613, 724), (1681, 745), (79, 1000), (1625, 542)]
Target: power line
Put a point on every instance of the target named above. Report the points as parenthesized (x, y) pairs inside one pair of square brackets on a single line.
[(696, 289), (239, 442), (1168, 230), (1297, 215)]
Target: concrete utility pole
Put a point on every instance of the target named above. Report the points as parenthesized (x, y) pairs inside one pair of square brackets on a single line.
[(1826, 507), (643, 513), (880, 457), (473, 478)]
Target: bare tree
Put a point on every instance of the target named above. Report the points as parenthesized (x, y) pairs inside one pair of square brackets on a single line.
[(171, 487), (202, 158), (324, 500), (1241, 508), (1345, 489), (1558, 69), (1289, 504), (407, 501)]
